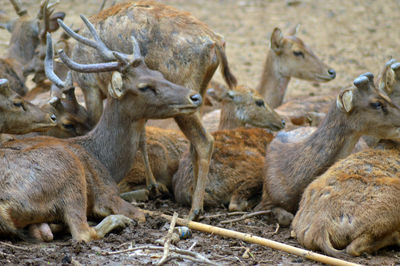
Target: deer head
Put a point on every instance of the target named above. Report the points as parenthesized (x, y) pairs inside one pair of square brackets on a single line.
[(19, 116), (366, 107), (297, 60)]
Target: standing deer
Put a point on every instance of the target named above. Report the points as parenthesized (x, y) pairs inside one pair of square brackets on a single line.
[(291, 166), (27, 44), (165, 147), (19, 116), (353, 207), (75, 177), (173, 42)]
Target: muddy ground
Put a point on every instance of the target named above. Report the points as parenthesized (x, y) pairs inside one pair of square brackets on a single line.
[(351, 36)]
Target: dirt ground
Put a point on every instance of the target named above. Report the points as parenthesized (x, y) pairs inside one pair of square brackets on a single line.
[(351, 36)]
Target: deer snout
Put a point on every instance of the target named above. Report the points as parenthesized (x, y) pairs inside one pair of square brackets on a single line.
[(196, 99), (332, 73)]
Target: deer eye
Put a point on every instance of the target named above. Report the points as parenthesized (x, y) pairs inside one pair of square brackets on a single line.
[(260, 103), (145, 87), (19, 104), (298, 53), (68, 126), (377, 105)]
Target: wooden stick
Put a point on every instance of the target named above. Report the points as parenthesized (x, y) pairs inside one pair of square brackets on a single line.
[(168, 239), (256, 240)]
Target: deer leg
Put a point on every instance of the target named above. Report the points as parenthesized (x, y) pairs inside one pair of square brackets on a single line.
[(152, 185), (111, 223), (75, 218), (367, 243), (245, 196), (202, 147)]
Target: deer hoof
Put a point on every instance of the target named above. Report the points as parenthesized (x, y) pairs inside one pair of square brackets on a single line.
[(136, 195), (157, 190), (194, 215)]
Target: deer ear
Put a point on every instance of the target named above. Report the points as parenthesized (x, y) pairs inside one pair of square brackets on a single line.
[(277, 40), (5, 88), (115, 88), (344, 101), (53, 24), (294, 30), (387, 81)]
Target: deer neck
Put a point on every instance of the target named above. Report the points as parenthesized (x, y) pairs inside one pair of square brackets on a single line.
[(273, 83), (333, 140), (228, 118), (115, 139)]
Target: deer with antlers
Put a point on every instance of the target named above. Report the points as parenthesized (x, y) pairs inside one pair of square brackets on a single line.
[(173, 42), (27, 47), (75, 177)]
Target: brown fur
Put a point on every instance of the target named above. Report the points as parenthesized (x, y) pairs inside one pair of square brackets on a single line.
[(353, 207), (7, 71), (230, 182), (175, 43), (76, 178), (290, 167)]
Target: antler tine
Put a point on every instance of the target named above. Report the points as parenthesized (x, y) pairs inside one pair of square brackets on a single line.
[(88, 68), (136, 48), (48, 64), (43, 5), (17, 6)]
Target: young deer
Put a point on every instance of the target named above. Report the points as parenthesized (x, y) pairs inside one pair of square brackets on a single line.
[(175, 43), (290, 167), (75, 177), (28, 37), (354, 207), (239, 106), (289, 57), (19, 116)]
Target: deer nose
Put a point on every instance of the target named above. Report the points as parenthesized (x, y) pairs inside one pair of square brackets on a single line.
[(332, 73), (196, 99)]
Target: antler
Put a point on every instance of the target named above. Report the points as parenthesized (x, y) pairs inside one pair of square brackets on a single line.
[(17, 6), (48, 68), (122, 59)]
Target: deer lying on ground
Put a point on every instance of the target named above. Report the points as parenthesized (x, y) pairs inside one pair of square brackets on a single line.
[(19, 116), (173, 42), (290, 167), (288, 57), (238, 107), (353, 207), (28, 36), (165, 147), (75, 176)]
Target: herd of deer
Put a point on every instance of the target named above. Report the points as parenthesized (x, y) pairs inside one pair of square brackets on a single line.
[(144, 60)]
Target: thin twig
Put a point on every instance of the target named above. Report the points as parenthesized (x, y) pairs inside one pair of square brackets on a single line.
[(277, 229), (222, 214), (13, 246), (168, 239), (192, 246), (245, 216)]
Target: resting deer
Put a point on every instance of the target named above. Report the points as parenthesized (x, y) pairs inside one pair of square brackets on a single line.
[(28, 37), (288, 57), (165, 147), (75, 176), (173, 42), (353, 207), (290, 167), (19, 116)]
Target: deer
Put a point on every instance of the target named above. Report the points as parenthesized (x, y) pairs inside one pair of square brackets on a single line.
[(291, 166), (173, 42), (76, 175), (288, 57), (353, 208), (19, 116), (241, 106), (28, 39), (236, 106)]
